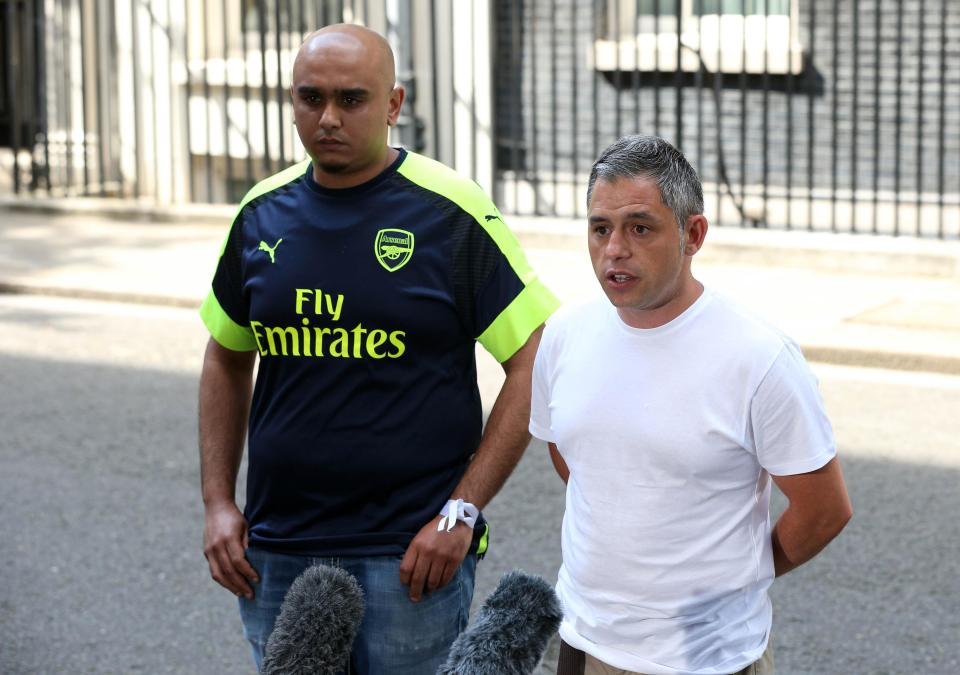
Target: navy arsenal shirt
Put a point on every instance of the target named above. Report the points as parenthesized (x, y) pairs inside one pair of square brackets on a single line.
[(364, 305)]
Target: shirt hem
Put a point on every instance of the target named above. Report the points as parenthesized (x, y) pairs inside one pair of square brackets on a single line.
[(540, 432), (805, 466)]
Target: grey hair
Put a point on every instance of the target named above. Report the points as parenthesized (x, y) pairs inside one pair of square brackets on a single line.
[(652, 157)]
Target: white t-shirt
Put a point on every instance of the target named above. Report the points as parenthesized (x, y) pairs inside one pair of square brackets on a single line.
[(670, 435)]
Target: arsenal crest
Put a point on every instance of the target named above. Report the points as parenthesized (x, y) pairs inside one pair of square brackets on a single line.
[(393, 248)]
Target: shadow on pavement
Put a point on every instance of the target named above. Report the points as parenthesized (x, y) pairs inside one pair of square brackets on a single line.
[(101, 523)]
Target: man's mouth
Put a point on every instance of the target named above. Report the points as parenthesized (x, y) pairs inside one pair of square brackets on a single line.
[(619, 277)]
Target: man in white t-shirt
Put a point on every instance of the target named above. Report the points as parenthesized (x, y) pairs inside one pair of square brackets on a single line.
[(667, 414)]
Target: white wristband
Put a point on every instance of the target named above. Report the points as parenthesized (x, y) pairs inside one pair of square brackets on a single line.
[(457, 509)]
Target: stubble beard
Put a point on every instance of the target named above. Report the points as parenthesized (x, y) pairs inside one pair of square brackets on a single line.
[(334, 168)]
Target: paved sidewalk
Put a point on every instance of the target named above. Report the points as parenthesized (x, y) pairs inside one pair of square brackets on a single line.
[(850, 299)]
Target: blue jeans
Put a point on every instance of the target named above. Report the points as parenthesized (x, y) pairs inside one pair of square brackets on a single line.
[(397, 636)]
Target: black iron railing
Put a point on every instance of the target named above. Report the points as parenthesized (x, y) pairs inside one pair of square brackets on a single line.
[(811, 114), (798, 114)]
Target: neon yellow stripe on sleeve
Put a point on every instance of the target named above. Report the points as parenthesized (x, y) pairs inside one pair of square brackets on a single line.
[(510, 330), (223, 329), (436, 177), (266, 185)]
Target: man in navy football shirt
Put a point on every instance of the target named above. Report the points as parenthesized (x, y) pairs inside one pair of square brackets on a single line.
[(362, 279)]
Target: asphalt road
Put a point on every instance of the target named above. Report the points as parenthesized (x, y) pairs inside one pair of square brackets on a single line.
[(100, 516)]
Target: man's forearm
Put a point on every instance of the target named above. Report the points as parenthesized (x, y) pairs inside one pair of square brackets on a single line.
[(819, 509), (505, 436), (225, 388), (796, 541), (504, 440), (433, 557)]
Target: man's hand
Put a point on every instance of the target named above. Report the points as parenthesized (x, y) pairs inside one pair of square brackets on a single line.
[(433, 557), (225, 384), (224, 543)]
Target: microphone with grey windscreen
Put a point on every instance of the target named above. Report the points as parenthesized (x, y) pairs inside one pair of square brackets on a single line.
[(318, 621), (511, 629)]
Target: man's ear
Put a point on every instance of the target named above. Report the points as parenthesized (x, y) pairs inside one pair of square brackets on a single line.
[(694, 232), (394, 104)]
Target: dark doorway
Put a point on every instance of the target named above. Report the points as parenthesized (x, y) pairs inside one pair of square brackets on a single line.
[(21, 47)]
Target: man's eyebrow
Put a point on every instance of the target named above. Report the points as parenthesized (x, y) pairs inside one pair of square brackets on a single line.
[(641, 215), (633, 215), (307, 90)]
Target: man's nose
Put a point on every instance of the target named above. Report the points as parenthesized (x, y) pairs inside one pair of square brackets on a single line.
[(617, 245), (329, 118)]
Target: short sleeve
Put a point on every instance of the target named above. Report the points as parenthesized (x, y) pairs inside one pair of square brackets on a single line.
[(540, 422), (789, 425), (224, 312), (499, 297), (511, 301)]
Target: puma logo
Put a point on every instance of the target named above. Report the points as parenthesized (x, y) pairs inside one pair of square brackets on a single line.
[(270, 250), (494, 217)]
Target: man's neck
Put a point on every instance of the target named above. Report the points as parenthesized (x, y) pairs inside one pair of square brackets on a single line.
[(665, 313), (339, 181)]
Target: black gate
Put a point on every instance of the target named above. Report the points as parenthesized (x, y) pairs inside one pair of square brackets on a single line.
[(812, 114), (798, 114)]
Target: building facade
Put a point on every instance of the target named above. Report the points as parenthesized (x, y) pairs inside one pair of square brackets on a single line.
[(798, 114)]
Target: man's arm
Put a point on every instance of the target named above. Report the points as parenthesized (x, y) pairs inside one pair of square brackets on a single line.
[(819, 509), (433, 557), (225, 387), (561, 466)]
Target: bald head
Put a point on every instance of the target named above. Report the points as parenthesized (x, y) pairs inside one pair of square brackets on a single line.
[(357, 43), (345, 99)]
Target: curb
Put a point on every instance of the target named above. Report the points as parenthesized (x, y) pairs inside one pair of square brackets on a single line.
[(841, 356), (862, 253), (123, 210), (887, 360), (93, 294)]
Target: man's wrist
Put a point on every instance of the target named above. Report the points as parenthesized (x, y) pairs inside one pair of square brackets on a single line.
[(219, 502), (457, 510)]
